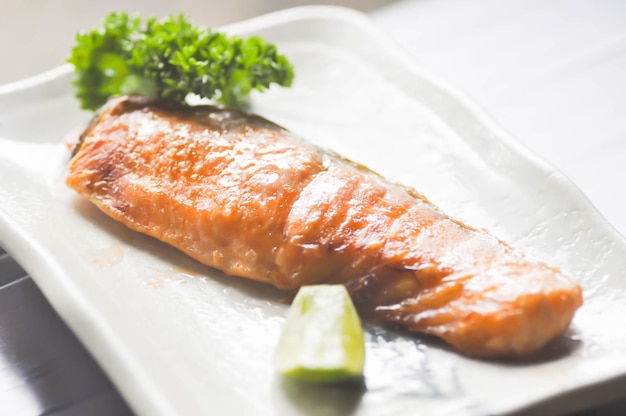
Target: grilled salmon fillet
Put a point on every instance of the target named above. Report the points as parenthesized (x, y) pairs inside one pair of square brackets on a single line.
[(245, 196)]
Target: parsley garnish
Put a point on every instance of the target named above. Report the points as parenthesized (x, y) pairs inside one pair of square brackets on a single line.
[(171, 58)]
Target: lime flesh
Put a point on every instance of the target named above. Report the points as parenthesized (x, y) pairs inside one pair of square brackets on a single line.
[(322, 338)]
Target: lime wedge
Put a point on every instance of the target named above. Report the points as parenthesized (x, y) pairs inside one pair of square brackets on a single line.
[(322, 339)]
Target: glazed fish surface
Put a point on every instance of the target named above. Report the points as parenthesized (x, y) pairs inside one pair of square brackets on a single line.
[(243, 195)]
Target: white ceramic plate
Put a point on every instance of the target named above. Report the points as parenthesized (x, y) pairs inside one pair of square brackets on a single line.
[(178, 338)]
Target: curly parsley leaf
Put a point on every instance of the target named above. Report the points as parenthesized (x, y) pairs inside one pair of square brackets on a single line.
[(172, 58)]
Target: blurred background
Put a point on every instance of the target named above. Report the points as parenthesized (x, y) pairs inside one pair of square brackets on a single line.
[(36, 35), (552, 72)]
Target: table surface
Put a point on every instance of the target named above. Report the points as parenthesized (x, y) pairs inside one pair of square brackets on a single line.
[(552, 72)]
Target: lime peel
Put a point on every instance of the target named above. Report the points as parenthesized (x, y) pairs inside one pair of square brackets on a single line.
[(322, 338)]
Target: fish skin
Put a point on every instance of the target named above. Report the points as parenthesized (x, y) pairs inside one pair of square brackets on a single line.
[(245, 196)]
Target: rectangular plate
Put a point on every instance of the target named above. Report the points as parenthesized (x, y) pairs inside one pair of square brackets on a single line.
[(180, 338)]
